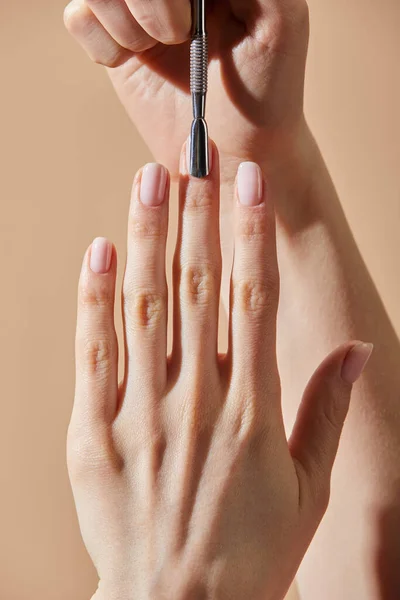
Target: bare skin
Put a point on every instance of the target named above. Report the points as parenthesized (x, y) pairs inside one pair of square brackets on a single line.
[(185, 484), (255, 113)]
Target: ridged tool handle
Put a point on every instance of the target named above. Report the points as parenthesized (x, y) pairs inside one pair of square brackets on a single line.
[(199, 153)]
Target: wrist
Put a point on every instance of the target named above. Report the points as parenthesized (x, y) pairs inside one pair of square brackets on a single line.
[(293, 168)]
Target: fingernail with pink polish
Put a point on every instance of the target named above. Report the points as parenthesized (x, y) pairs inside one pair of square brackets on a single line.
[(153, 184), (355, 362), (250, 184), (100, 256)]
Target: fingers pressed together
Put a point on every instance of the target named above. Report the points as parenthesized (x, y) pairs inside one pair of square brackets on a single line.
[(196, 280), (111, 30)]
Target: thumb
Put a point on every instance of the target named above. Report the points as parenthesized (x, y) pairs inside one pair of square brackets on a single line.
[(315, 438)]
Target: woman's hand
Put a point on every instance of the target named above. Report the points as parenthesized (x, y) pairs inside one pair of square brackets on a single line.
[(258, 52), (185, 484)]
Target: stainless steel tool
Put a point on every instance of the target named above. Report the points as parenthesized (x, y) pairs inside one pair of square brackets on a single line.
[(199, 152)]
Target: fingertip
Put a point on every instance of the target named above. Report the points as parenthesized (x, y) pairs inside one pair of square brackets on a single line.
[(70, 12), (355, 362), (250, 184), (100, 255), (153, 185)]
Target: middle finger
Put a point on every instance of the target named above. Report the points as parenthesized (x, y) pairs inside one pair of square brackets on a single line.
[(197, 267)]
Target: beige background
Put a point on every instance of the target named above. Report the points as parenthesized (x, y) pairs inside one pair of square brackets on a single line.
[(68, 153)]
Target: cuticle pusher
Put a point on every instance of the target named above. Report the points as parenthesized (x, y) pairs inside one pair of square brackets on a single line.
[(199, 150)]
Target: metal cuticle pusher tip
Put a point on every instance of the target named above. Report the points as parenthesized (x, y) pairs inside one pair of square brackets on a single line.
[(199, 150)]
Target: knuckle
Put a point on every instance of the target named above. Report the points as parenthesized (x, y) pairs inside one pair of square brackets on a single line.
[(248, 419), (90, 454), (329, 417), (253, 228), (196, 202), (199, 197), (157, 449), (95, 296), (289, 21), (73, 16), (333, 411), (195, 418), (112, 59), (145, 17), (192, 404), (147, 309), (150, 442), (319, 498), (98, 355), (151, 228), (81, 23), (314, 491), (254, 297), (198, 284)]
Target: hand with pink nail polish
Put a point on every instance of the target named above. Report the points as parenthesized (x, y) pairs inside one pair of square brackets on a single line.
[(185, 484), (258, 52)]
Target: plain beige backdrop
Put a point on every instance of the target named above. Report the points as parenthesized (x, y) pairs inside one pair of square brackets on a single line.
[(68, 154)]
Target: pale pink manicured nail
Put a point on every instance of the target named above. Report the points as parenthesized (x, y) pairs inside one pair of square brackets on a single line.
[(249, 184), (355, 362), (153, 185), (100, 256)]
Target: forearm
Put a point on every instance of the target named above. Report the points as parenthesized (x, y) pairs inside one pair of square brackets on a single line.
[(328, 297), (327, 294)]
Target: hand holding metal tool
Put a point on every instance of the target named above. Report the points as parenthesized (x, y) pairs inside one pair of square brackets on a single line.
[(199, 152)]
